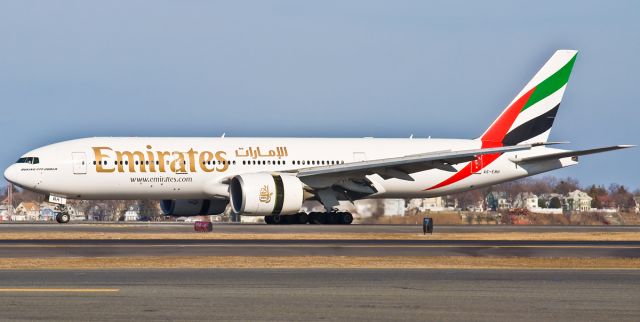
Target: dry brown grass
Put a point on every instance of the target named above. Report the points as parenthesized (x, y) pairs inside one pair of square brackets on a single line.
[(318, 262), (554, 236)]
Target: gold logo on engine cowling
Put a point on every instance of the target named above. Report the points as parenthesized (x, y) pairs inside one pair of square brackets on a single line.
[(265, 194)]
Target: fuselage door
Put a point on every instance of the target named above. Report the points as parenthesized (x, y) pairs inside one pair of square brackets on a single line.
[(79, 162)]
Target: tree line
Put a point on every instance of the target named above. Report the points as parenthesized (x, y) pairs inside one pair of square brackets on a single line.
[(613, 196)]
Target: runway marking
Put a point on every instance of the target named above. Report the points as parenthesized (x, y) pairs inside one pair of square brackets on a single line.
[(59, 290)]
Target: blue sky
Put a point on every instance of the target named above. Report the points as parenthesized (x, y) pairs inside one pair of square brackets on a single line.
[(72, 69)]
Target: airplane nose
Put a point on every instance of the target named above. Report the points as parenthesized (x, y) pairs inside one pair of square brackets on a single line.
[(11, 174)]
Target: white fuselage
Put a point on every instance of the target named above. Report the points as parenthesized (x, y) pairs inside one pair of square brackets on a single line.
[(194, 168)]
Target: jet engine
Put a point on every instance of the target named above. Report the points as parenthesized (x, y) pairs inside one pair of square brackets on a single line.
[(261, 194), (193, 207)]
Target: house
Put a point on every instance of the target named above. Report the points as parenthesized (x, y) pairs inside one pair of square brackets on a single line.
[(133, 214), (47, 213), (497, 200), (427, 204), (4, 213), (6, 201), (393, 207), (27, 211), (365, 208), (75, 214), (577, 201), (434, 204), (526, 200), (552, 200)]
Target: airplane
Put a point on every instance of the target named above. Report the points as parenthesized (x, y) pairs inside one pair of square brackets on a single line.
[(272, 177)]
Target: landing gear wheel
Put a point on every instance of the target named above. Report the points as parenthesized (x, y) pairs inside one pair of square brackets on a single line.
[(303, 218), (278, 219), (63, 218), (346, 218), (318, 218), (333, 218), (268, 220)]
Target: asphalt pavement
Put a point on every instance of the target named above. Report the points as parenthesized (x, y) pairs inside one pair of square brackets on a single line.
[(172, 227), (321, 294), (287, 247)]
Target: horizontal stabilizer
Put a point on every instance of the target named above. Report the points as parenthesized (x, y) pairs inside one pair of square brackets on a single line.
[(566, 154)]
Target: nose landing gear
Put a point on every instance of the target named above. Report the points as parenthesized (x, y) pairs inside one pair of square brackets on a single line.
[(63, 216)]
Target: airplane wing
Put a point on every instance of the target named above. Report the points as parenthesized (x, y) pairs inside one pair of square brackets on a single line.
[(565, 154), (351, 176), (402, 167)]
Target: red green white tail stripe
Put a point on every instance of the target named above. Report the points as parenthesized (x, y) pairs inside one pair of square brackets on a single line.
[(529, 117)]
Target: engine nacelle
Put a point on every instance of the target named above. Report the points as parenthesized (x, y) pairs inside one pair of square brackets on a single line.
[(263, 194), (193, 207)]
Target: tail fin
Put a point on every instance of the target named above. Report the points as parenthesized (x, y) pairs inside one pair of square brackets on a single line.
[(529, 117)]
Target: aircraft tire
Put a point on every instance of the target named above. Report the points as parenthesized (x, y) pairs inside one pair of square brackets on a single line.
[(278, 219), (268, 220), (346, 218), (318, 218), (333, 218), (63, 218), (303, 218)]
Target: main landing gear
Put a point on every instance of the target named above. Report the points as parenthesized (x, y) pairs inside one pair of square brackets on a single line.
[(320, 218)]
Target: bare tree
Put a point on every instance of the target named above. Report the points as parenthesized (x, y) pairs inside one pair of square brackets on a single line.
[(566, 185)]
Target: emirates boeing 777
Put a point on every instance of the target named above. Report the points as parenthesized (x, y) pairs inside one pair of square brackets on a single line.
[(272, 177)]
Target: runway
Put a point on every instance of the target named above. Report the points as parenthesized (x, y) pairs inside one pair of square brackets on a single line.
[(273, 273), (109, 227), (243, 247), (325, 294)]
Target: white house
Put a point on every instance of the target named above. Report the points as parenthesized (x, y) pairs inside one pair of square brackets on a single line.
[(393, 207), (4, 213), (434, 204), (47, 213), (498, 200), (526, 200), (132, 214), (577, 201), (27, 211)]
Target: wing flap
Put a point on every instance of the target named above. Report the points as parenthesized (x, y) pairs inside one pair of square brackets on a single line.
[(566, 154)]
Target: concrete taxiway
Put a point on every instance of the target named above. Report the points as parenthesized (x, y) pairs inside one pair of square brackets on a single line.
[(321, 294)]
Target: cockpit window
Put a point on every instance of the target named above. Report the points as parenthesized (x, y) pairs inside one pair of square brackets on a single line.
[(29, 160)]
